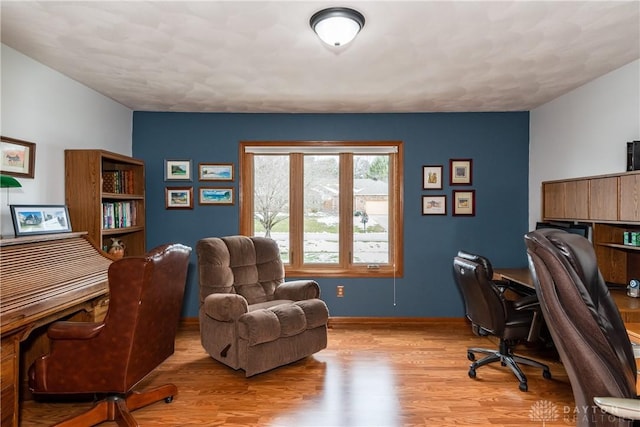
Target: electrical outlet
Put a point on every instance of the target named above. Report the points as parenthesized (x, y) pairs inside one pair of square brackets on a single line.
[(340, 291)]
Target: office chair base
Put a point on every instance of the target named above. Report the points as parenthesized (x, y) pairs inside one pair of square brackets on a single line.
[(506, 358), (118, 408)]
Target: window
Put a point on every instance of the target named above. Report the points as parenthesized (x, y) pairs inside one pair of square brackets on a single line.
[(335, 208)]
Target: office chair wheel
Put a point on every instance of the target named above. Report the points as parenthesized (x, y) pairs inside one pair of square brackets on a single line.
[(471, 356), (168, 399), (523, 387), (472, 373), (546, 374)]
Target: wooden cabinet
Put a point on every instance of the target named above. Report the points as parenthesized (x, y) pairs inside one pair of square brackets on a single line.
[(603, 199), (630, 197), (106, 197), (566, 199), (613, 206)]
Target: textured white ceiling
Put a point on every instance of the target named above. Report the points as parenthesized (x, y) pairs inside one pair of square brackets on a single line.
[(262, 56)]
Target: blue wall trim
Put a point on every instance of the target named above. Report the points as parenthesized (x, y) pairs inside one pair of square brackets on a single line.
[(498, 143)]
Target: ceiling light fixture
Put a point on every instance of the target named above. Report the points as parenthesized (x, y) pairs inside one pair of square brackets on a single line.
[(337, 26)]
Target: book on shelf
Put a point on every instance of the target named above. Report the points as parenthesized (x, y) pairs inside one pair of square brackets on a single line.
[(118, 181), (118, 215)]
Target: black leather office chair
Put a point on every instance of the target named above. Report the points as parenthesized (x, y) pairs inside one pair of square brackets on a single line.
[(586, 326), (486, 306)]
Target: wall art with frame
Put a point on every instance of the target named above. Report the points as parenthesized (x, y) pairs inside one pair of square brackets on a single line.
[(432, 177), (464, 202), (18, 157), (40, 219), (177, 170), (215, 171), (460, 171), (179, 197), (434, 205), (216, 196)]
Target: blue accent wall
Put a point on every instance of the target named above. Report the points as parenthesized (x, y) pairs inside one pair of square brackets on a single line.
[(498, 143)]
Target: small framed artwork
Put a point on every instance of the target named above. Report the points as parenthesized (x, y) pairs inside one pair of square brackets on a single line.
[(215, 171), (216, 196), (461, 171), (18, 157), (432, 177), (179, 198), (464, 202), (40, 219), (177, 170), (434, 205)]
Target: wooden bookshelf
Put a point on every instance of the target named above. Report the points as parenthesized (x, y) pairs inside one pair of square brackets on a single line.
[(105, 194)]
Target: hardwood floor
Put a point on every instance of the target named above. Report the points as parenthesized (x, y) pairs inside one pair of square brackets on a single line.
[(371, 374)]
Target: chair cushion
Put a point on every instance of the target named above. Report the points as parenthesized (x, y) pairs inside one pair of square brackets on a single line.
[(315, 311), (284, 319)]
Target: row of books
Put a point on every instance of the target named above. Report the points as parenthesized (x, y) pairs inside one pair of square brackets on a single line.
[(118, 181), (118, 215)]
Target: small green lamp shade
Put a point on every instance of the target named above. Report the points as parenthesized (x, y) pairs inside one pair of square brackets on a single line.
[(8, 182)]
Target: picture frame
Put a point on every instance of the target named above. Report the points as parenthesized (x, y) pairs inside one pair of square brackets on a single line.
[(18, 158), (432, 177), (30, 220), (177, 170), (461, 172), (178, 197), (434, 205), (215, 171), (216, 196), (464, 202)]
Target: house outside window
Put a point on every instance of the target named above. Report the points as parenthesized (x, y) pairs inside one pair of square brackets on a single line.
[(335, 208)]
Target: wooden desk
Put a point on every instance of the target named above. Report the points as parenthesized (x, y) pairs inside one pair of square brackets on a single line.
[(629, 307), (44, 278)]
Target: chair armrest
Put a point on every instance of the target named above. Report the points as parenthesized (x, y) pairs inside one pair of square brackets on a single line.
[(225, 307), (527, 303), (64, 330), (620, 407), (297, 290)]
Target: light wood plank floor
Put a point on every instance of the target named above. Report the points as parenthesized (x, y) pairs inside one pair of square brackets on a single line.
[(402, 374)]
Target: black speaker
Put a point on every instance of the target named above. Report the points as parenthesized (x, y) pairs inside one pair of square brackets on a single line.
[(633, 156)]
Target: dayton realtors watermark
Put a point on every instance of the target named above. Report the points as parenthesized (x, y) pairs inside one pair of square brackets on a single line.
[(546, 411)]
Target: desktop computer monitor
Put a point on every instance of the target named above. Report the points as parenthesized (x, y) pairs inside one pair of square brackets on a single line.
[(582, 229)]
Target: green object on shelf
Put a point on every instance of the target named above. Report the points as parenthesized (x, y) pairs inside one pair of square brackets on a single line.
[(9, 182)]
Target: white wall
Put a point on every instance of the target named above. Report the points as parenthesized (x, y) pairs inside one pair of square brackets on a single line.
[(584, 132), (40, 105)]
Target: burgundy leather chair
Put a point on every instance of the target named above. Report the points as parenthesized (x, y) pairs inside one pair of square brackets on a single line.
[(586, 327), (109, 358)]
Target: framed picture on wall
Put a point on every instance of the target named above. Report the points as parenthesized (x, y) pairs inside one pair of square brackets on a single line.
[(179, 197), (434, 205), (18, 157), (177, 170), (215, 172), (461, 171), (432, 177), (216, 196), (464, 202)]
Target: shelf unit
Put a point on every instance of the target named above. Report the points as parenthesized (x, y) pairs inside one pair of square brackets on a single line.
[(611, 204), (100, 185)]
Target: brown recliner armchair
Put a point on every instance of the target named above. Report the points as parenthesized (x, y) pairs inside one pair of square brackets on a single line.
[(138, 333), (491, 313), (250, 318), (586, 327)]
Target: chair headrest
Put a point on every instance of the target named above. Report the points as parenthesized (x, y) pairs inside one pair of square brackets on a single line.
[(478, 259)]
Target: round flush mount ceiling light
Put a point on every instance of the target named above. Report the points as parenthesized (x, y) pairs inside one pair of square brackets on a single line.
[(337, 26)]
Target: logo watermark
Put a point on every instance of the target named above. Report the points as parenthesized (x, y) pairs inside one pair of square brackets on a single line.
[(546, 411)]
